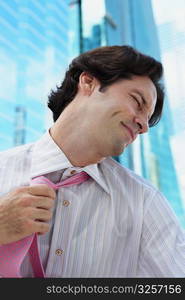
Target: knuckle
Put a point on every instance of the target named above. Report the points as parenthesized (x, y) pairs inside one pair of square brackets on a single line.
[(27, 224), (26, 200), (28, 212), (22, 197), (20, 190)]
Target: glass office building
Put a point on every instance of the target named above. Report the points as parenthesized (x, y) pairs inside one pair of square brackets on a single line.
[(171, 28), (34, 52)]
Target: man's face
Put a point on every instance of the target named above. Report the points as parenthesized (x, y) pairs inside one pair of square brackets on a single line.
[(115, 116)]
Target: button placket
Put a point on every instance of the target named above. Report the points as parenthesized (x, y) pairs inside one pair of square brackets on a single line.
[(56, 231)]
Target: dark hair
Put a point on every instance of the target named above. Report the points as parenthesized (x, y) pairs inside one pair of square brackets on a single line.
[(108, 64)]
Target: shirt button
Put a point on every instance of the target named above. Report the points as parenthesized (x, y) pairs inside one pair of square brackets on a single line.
[(73, 172), (66, 203), (59, 252)]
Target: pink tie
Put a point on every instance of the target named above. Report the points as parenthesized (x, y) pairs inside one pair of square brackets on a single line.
[(13, 254)]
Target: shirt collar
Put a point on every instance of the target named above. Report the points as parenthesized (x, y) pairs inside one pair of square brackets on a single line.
[(47, 157)]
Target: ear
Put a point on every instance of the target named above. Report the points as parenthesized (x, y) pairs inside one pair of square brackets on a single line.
[(87, 83)]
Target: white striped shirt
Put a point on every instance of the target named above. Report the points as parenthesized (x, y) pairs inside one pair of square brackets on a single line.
[(116, 224)]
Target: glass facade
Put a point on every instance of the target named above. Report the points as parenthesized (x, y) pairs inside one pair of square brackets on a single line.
[(34, 52), (171, 28), (74, 33), (93, 24)]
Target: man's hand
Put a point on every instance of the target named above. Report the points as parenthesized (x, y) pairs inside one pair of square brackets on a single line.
[(24, 211)]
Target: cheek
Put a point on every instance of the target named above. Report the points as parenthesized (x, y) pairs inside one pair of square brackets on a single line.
[(129, 110)]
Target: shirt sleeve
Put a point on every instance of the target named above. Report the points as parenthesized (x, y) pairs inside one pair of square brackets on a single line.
[(162, 248)]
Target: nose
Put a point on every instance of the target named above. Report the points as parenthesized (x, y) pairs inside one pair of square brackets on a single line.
[(142, 125)]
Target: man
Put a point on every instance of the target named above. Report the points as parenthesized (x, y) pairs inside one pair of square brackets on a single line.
[(115, 224)]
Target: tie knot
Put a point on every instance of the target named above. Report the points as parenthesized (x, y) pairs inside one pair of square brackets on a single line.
[(75, 179)]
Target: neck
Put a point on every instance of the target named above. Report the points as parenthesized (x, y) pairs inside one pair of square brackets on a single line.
[(79, 150)]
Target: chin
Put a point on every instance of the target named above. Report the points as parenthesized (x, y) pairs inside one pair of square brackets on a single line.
[(118, 151)]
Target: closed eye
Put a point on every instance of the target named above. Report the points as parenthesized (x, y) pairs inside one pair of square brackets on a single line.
[(137, 101)]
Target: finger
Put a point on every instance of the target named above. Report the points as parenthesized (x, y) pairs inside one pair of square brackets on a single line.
[(41, 190), (41, 227), (40, 214), (41, 202)]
